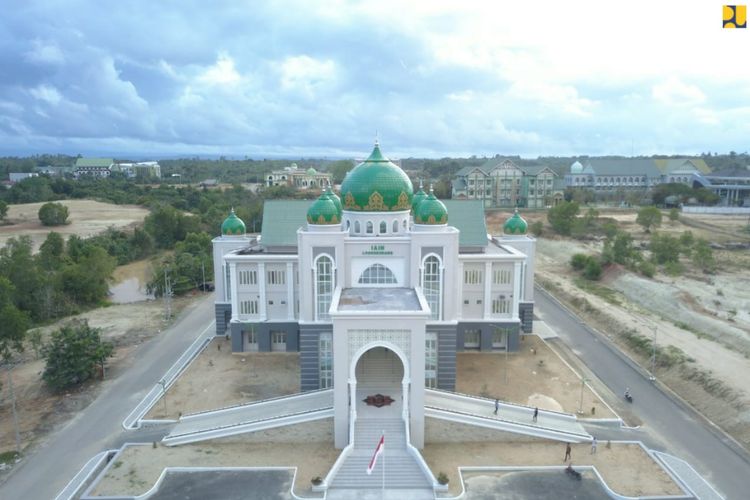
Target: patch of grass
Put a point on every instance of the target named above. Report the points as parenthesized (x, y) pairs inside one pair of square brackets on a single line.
[(712, 385), (600, 291), (691, 329), (666, 357), (8, 457), (117, 464)]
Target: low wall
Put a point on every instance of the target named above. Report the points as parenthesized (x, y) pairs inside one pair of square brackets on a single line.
[(716, 210)]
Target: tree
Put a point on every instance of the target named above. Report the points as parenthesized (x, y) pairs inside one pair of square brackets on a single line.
[(3, 210), (674, 214), (562, 216), (664, 248), (623, 251), (53, 214), (87, 281), (703, 255), (339, 169), (52, 252), (649, 217), (73, 354), (593, 269), (537, 228)]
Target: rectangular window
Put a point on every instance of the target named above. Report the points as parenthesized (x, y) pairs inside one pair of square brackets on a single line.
[(252, 340), (500, 338), (227, 284), (325, 357), (501, 306), (430, 360), (472, 277), (278, 341), (276, 277), (249, 307), (471, 339), (248, 277), (500, 276)]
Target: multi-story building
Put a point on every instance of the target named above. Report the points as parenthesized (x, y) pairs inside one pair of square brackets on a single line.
[(300, 179), (502, 183), (97, 167), (612, 174), (381, 275), (140, 169)]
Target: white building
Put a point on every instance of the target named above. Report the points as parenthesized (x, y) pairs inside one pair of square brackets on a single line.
[(379, 291)]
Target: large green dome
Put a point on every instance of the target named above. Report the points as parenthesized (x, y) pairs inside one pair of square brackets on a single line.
[(515, 224), (323, 211), (431, 211), (377, 185), (233, 225)]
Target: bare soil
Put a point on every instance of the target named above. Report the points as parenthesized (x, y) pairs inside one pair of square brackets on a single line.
[(705, 317), (86, 217), (137, 469), (626, 468), (40, 410), (536, 376), (218, 378)]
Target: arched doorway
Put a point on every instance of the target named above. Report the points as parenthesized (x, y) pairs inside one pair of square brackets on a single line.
[(380, 378)]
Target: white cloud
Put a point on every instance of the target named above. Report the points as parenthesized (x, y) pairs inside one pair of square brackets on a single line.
[(46, 93), (674, 92), (45, 53), (221, 73), (306, 73)]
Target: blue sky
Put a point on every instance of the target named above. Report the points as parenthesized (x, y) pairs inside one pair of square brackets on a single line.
[(438, 78)]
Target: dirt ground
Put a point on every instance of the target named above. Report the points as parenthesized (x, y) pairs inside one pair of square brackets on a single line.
[(218, 378), (626, 468), (536, 377), (86, 217), (707, 317), (39, 410), (138, 467)]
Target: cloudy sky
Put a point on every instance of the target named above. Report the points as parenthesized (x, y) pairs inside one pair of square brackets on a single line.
[(158, 78)]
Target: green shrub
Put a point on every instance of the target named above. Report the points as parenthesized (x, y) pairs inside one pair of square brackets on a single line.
[(53, 214), (673, 268), (593, 270), (442, 478), (647, 269), (578, 261), (674, 214), (537, 228)]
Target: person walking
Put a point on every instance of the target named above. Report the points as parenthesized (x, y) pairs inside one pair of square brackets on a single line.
[(567, 452), (497, 405), (536, 414), (593, 446)]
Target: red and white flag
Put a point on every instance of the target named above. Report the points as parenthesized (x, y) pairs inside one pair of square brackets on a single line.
[(378, 451)]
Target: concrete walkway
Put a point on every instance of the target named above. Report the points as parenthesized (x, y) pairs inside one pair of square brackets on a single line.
[(254, 412), (480, 408)]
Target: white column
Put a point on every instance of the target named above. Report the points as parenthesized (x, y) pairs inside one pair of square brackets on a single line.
[(262, 313), (516, 288), (458, 299), (290, 290), (352, 400), (233, 290), (487, 289), (405, 399)]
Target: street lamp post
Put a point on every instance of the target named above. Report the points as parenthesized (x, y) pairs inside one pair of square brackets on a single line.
[(580, 401), (164, 395), (653, 356)]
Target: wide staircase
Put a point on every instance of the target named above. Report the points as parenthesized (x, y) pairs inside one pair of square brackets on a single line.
[(401, 470)]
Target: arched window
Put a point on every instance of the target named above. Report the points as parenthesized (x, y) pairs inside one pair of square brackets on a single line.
[(383, 227), (377, 274), (431, 284), (369, 227), (395, 226), (404, 224), (347, 225), (323, 287), (357, 227)]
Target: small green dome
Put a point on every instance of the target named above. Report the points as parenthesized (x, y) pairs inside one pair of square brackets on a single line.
[(431, 211), (323, 211), (419, 196), (336, 200), (311, 171), (377, 185), (515, 224), (233, 225)]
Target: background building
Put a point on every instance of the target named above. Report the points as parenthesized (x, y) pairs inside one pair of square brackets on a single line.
[(298, 178)]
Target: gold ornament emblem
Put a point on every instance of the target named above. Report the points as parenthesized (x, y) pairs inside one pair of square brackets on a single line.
[(349, 201), (403, 202), (375, 202)]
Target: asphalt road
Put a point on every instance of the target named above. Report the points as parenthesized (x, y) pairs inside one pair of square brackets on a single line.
[(682, 432), (43, 474)]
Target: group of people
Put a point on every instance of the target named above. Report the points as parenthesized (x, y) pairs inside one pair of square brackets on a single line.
[(533, 417)]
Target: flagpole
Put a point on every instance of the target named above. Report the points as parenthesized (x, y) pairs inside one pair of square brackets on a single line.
[(383, 491)]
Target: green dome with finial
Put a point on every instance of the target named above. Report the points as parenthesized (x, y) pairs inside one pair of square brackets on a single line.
[(515, 224), (377, 185), (419, 196), (431, 211), (233, 225), (324, 211), (334, 197)]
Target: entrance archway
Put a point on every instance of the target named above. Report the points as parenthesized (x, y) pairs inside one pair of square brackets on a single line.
[(379, 381)]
